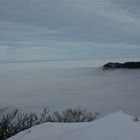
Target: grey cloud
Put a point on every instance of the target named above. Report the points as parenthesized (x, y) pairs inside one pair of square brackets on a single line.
[(98, 20), (131, 6)]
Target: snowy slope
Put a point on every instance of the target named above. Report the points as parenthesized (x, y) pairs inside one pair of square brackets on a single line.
[(115, 126)]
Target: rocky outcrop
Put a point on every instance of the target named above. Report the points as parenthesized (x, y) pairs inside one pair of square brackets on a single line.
[(127, 65)]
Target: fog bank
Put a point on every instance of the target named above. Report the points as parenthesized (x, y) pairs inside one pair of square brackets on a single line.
[(33, 86)]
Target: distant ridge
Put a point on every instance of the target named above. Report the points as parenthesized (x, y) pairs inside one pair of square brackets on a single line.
[(127, 65)]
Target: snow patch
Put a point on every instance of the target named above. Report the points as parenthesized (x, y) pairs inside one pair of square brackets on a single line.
[(115, 126)]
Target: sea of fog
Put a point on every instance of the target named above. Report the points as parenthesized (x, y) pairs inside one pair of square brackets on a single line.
[(63, 84)]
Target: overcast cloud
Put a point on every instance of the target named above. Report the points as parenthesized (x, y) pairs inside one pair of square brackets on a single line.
[(104, 21)]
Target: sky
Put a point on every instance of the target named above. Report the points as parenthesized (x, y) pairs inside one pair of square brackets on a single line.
[(113, 23)]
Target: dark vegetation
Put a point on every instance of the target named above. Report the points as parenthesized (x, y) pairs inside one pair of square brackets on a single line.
[(13, 122), (128, 65)]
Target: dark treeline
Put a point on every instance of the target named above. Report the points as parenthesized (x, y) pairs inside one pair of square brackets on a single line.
[(128, 65)]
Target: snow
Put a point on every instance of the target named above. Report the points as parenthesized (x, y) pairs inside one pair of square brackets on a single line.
[(115, 126)]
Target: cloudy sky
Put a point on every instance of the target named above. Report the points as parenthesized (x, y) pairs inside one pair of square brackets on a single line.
[(104, 22)]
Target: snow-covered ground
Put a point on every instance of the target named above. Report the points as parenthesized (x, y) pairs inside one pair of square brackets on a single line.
[(115, 126), (59, 85)]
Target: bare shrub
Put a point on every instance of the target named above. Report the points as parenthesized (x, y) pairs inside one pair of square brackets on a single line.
[(73, 115), (14, 122)]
